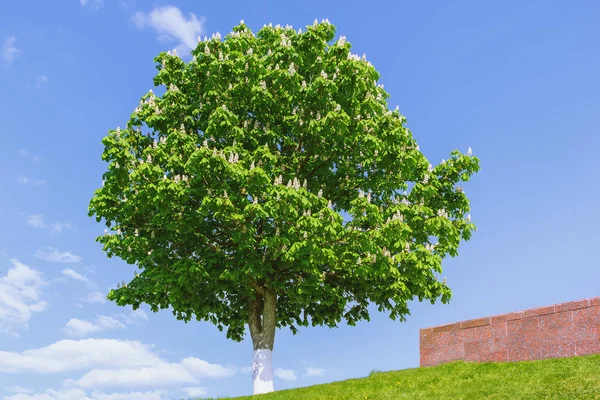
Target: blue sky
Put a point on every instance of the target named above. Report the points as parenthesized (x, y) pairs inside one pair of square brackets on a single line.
[(517, 81)]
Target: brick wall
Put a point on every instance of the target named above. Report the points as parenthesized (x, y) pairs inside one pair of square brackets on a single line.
[(561, 330)]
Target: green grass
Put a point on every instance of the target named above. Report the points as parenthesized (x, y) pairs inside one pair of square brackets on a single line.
[(566, 378)]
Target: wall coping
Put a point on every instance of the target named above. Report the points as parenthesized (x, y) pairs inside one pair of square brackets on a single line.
[(528, 313)]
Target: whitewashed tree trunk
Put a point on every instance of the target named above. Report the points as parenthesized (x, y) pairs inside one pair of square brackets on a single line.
[(262, 323), (262, 371)]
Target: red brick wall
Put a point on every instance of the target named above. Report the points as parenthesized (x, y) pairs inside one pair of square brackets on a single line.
[(561, 330)]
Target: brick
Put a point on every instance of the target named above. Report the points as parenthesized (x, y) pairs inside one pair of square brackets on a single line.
[(557, 350), (595, 302), (478, 351), (476, 334), (572, 305), (449, 353), (586, 322), (507, 317), (500, 344), (534, 312), (585, 347), (522, 327), (498, 356), (427, 356), (554, 321), (447, 338), (475, 322), (521, 351), (499, 330), (426, 338), (446, 328)]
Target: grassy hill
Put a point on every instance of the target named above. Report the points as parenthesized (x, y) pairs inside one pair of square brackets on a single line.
[(566, 378)]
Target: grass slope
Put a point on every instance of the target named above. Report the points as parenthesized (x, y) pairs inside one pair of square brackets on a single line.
[(566, 378)]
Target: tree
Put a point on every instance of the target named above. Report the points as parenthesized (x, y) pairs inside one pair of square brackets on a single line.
[(271, 186)]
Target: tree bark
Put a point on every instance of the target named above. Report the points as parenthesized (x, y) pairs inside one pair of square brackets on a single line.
[(262, 323)]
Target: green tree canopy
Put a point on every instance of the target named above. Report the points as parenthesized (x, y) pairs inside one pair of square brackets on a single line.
[(271, 186)]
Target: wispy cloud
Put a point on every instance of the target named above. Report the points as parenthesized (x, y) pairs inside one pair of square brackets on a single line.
[(78, 394), (23, 180), (37, 221), (25, 153), (94, 297), (95, 4), (187, 371), (195, 391), (40, 81), (171, 25), (19, 389), (75, 355), (75, 275), (9, 50), (20, 292), (53, 255), (81, 328), (285, 374), (312, 371)]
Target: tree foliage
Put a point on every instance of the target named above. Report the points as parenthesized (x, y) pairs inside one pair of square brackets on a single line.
[(272, 162)]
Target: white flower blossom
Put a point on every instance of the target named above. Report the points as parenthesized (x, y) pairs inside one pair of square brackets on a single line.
[(320, 194), (341, 41), (217, 36), (117, 164), (129, 249), (163, 139), (303, 84), (292, 69), (154, 143), (149, 158), (220, 55), (207, 50), (323, 74), (205, 143), (329, 204), (277, 231), (430, 168), (407, 247), (469, 151), (296, 184), (263, 85), (252, 166), (468, 217), (368, 197), (299, 31), (255, 200), (136, 232), (426, 178), (338, 107), (360, 194), (442, 213), (445, 280), (305, 235)]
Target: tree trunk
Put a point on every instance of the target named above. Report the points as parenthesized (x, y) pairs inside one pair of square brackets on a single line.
[(262, 323)]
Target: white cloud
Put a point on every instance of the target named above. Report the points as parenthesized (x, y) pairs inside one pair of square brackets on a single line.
[(78, 394), (40, 81), (19, 389), (23, 180), (9, 50), (20, 291), (285, 374), (81, 328), (170, 24), (37, 221), (75, 275), (94, 297), (27, 154), (73, 355), (53, 255), (95, 4), (195, 391), (312, 371), (187, 371)]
